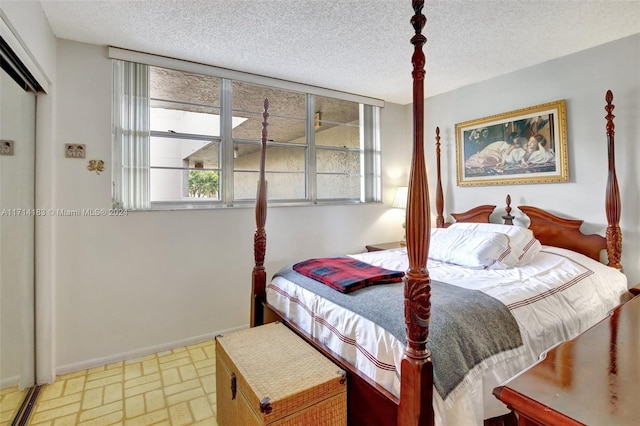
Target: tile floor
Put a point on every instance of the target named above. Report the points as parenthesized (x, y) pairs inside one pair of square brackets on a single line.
[(10, 402), (175, 387)]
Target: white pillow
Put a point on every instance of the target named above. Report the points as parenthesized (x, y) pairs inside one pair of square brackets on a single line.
[(471, 248), (524, 245)]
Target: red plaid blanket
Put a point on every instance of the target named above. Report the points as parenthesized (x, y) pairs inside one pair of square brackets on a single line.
[(346, 274)]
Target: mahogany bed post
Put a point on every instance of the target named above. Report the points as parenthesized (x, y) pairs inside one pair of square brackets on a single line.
[(612, 203), (439, 194), (259, 277), (416, 387)]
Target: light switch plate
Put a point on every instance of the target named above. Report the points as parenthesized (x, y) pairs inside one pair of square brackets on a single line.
[(75, 150), (6, 147)]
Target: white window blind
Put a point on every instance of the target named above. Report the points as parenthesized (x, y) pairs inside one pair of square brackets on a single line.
[(131, 133)]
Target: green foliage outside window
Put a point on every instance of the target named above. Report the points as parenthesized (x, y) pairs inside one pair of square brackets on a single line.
[(203, 184)]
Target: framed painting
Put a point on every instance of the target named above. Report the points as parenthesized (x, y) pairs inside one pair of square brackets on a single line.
[(528, 145)]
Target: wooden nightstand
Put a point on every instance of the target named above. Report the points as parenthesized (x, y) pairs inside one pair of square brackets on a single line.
[(384, 246)]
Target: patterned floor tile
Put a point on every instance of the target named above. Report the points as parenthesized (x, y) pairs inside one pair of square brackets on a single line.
[(10, 401), (172, 388)]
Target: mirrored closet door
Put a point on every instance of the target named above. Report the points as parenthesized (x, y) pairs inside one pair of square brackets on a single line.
[(17, 226)]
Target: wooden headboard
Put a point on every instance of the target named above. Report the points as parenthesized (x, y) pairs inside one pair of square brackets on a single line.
[(476, 214), (556, 231)]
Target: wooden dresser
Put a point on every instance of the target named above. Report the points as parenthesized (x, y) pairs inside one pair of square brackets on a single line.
[(593, 379)]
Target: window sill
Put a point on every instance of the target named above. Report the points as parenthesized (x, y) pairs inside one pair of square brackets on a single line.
[(187, 206)]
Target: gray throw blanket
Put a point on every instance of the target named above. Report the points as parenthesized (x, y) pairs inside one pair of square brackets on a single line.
[(467, 326)]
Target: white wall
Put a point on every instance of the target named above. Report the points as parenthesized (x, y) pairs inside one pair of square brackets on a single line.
[(582, 79), (131, 285)]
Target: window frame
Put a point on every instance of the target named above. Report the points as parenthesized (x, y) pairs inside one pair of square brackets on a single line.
[(370, 159)]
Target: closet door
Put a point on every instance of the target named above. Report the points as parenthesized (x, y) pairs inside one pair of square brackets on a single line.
[(17, 219)]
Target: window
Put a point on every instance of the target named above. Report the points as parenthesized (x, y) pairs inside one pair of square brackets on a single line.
[(287, 147), (184, 151), (339, 148), (188, 140)]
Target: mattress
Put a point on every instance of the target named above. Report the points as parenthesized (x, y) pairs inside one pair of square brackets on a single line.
[(558, 295)]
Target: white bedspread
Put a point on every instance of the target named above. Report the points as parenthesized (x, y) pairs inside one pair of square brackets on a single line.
[(554, 298)]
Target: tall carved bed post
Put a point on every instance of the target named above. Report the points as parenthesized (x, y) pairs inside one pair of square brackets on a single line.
[(439, 193), (612, 203), (259, 277), (416, 387)]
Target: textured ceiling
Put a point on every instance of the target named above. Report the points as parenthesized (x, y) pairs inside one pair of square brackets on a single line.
[(356, 46)]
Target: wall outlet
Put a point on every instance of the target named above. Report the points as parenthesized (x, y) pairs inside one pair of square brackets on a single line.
[(75, 150), (6, 147)]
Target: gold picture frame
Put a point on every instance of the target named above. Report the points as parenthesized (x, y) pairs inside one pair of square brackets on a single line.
[(524, 146)]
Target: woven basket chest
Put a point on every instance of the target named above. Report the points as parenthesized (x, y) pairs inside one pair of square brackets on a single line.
[(268, 375)]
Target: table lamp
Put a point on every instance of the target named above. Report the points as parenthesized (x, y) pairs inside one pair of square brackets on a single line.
[(400, 202)]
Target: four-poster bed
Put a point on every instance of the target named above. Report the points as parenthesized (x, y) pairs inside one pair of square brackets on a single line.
[(410, 398)]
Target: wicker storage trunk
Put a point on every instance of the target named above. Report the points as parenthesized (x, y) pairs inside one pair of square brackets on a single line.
[(268, 375)]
